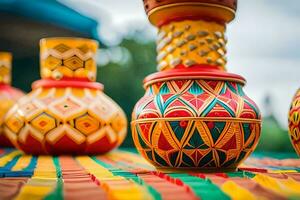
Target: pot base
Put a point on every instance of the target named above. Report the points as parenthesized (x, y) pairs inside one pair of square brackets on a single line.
[(195, 170)]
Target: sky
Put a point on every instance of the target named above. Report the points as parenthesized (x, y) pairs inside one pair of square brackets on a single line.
[(263, 43)]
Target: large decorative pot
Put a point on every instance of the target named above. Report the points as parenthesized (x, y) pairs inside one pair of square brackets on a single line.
[(195, 120), (294, 122), (194, 114), (8, 94), (66, 112)]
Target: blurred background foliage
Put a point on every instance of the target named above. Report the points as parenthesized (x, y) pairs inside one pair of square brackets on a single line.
[(123, 78), (122, 66)]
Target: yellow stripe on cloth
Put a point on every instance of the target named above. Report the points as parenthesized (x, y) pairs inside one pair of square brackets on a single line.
[(117, 187), (287, 187), (43, 181), (33, 192), (22, 163), (45, 168), (282, 171), (101, 173), (236, 192), (8, 157)]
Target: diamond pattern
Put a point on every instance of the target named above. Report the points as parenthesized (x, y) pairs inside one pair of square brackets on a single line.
[(69, 59), (64, 125)]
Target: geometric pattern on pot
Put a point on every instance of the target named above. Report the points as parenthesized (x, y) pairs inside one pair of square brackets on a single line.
[(8, 94), (71, 58), (294, 122), (8, 97), (207, 144), (196, 123), (196, 98), (66, 120), (191, 42)]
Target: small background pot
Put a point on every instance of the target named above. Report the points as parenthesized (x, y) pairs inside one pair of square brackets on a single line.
[(294, 122), (8, 94)]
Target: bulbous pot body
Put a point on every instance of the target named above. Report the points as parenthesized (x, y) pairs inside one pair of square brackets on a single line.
[(66, 120), (203, 122), (294, 122)]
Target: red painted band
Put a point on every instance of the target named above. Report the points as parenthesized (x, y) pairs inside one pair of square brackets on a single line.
[(202, 67), (47, 83), (195, 72), (84, 79)]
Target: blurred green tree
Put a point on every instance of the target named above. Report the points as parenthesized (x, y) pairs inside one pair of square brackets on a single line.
[(273, 137), (123, 79)]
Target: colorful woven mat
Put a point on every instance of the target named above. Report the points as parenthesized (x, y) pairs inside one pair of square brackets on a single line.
[(123, 174)]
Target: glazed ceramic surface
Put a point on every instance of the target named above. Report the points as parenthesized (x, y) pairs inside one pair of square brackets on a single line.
[(66, 112), (194, 114), (163, 11), (205, 124), (8, 94), (294, 122)]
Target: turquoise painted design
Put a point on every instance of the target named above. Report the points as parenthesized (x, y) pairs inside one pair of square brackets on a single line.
[(196, 124)]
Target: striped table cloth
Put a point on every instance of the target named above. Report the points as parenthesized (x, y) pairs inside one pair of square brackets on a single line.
[(123, 174)]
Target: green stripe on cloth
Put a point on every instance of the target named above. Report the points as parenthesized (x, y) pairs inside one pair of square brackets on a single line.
[(241, 174), (275, 155), (57, 194), (128, 175), (203, 188)]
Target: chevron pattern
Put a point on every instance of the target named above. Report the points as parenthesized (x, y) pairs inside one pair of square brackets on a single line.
[(196, 123), (65, 120), (71, 58)]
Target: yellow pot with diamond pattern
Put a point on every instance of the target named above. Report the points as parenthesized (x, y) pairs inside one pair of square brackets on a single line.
[(67, 111)]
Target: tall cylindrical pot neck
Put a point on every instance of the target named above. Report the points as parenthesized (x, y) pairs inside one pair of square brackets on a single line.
[(5, 68), (68, 58)]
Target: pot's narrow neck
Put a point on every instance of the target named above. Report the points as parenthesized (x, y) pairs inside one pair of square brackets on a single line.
[(5, 68), (191, 42), (68, 59)]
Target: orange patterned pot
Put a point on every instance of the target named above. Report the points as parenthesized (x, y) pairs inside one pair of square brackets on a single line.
[(294, 122), (8, 94), (66, 112)]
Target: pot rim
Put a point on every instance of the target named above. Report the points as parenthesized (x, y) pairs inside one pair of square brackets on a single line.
[(206, 72), (48, 83), (68, 39)]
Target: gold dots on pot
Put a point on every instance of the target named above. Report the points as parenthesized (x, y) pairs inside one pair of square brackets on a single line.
[(191, 42)]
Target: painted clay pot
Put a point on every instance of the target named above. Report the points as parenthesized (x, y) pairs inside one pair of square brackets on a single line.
[(194, 115), (195, 120), (8, 94), (67, 111), (294, 122)]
